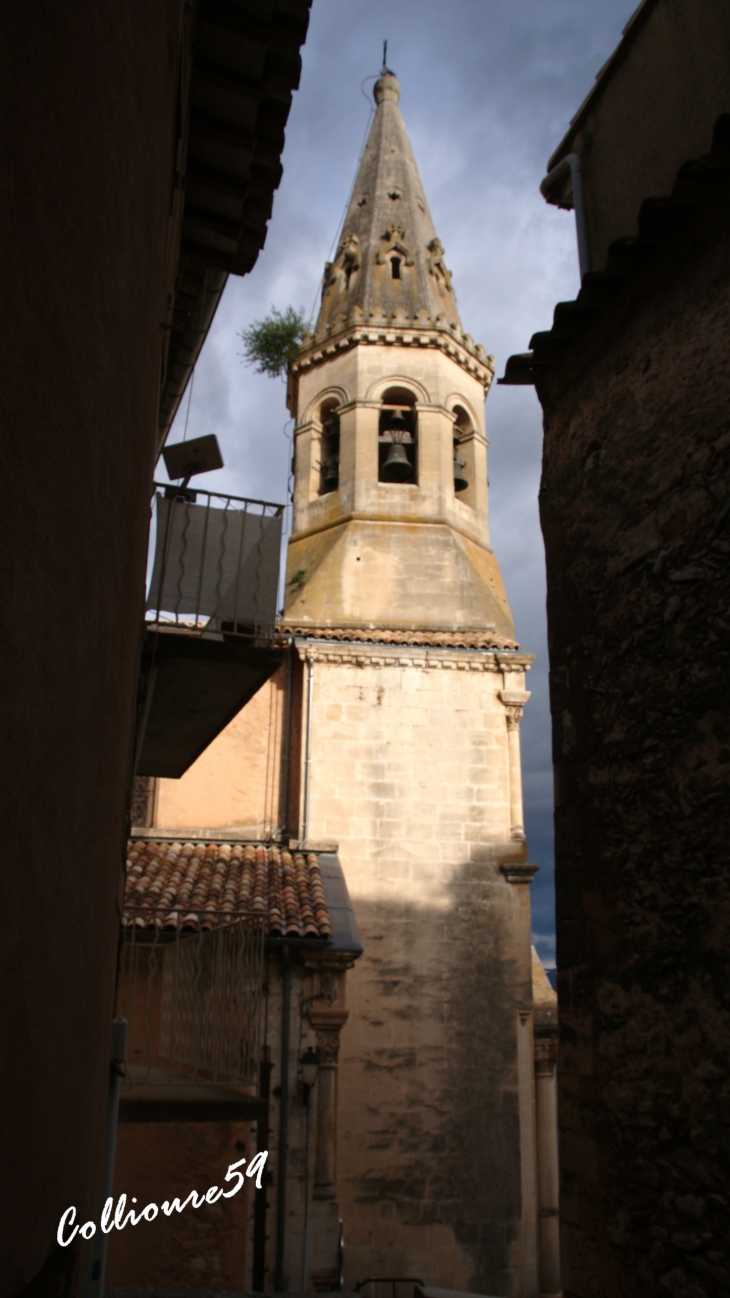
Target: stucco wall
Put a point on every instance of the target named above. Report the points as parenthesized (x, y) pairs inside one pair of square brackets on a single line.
[(235, 783), (634, 506), (88, 99)]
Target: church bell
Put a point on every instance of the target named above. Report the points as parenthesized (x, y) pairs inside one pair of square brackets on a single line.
[(331, 475), (397, 467), (460, 482)]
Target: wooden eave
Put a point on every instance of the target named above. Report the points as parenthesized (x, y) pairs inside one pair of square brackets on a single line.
[(245, 64)]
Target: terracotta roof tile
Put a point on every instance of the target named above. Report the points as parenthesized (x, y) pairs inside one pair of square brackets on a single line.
[(435, 639), (179, 885)]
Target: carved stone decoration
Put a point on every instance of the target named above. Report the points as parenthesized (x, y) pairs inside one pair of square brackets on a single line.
[(328, 1046), (437, 266), (394, 241), (349, 251), (338, 273), (327, 1023), (514, 701), (546, 1054), (328, 987)]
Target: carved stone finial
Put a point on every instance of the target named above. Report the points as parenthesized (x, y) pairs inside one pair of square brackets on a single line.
[(387, 88)]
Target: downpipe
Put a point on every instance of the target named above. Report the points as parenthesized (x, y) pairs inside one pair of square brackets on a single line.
[(283, 1117), (571, 162), (308, 753)]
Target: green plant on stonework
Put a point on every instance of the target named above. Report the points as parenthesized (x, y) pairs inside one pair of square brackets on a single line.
[(270, 344)]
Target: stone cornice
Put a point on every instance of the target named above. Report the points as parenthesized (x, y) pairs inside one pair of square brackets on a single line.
[(517, 872), (406, 520), (446, 338), (432, 657), (323, 1017)]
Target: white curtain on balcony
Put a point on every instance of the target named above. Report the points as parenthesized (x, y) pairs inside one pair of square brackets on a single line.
[(218, 563)]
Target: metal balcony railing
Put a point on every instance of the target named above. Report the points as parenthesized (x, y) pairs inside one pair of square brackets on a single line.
[(191, 988), (216, 564)]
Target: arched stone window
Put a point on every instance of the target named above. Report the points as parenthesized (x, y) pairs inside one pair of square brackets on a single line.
[(329, 459), (398, 438)]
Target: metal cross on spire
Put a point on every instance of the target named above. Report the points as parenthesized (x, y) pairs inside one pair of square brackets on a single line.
[(385, 70)]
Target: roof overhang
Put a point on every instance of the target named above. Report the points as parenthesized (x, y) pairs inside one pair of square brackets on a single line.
[(243, 65), (192, 687)]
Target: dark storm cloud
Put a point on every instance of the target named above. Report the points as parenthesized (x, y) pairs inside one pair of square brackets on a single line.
[(488, 89)]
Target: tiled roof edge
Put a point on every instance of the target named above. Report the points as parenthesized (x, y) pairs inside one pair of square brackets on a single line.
[(382, 636)]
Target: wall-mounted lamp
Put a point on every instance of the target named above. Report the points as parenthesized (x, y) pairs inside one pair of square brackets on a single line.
[(308, 1069)]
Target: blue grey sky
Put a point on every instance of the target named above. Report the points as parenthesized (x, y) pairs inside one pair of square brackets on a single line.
[(488, 90)]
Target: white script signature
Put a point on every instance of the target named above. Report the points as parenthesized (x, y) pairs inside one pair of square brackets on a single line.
[(88, 1230)]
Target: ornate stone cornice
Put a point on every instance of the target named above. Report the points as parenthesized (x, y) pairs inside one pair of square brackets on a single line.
[(380, 331), (399, 655)]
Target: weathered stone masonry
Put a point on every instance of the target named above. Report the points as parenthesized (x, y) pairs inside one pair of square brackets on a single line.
[(634, 506)]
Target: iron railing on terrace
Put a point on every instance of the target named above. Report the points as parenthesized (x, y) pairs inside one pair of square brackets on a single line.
[(191, 988), (216, 564)]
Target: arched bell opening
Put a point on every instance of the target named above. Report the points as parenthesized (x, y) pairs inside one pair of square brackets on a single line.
[(463, 456), (398, 438), (329, 447)]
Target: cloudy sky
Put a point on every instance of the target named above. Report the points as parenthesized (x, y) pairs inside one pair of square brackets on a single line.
[(488, 90)]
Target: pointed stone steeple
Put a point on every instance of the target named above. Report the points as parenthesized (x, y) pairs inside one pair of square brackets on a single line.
[(389, 257), (390, 523)]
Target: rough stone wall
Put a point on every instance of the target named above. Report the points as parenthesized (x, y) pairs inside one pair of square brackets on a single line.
[(411, 779), (634, 505)]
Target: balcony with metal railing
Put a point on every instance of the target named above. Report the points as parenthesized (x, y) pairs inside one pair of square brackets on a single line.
[(209, 641)]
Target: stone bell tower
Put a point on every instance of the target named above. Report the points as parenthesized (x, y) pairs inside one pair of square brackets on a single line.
[(411, 689)]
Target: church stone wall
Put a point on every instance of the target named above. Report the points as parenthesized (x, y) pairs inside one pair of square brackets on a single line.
[(412, 780)]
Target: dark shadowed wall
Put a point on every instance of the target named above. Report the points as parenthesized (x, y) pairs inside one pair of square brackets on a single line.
[(159, 1162), (88, 99), (635, 507)]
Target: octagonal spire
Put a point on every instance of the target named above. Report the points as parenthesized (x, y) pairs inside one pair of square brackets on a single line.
[(389, 258)]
